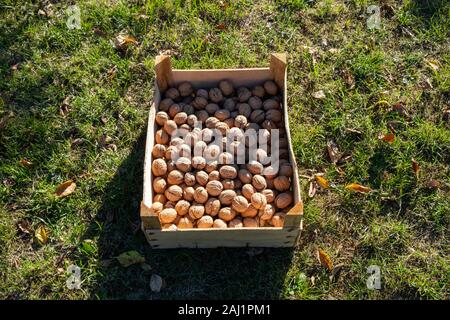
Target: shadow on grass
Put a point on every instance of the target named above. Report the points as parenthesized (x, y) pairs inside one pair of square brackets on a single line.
[(188, 273)]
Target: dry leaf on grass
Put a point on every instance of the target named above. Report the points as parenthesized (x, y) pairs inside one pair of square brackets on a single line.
[(322, 182), (25, 163), (358, 188), (389, 138), (415, 167), (156, 283), (128, 258), (66, 188), (319, 94), (333, 151), (24, 226), (122, 42), (220, 26), (41, 235), (312, 189), (325, 259)]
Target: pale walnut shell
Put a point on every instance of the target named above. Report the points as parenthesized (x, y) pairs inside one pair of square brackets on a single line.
[(282, 183), (251, 212), (175, 177), (222, 127), (161, 137), (205, 222), (189, 179), (258, 200), (220, 224), (174, 193), (269, 125), (161, 117), (169, 205), (250, 223), (248, 190), (192, 120), (185, 223), (273, 115), (159, 167), (169, 226), (168, 215), (255, 167), (201, 177), (180, 118), (161, 198), (269, 194), (278, 219), (200, 195), (174, 109), (198, 163), (185, 89), (227, 214), (188, 194), (196, 210), (226, 87), (212, 206), (259, 182), (283, 200), (271, 87), (228, 172), (206, 135), (211, 122), (211, 152), (165, 104), (214, 175), (156, 207), (244, 109), (215, 95), (259, 91), (183, 164), (170, 127), (228, 184), (199, 148), (172, 93), (184, 151), (270, 172), (158, 151), (214, 188), (240, 204), (182, 207), (243, 94), (266, 212), (211, 166), (226, 197), (226, 158), (236, 223), (240, 121), (159, 185)]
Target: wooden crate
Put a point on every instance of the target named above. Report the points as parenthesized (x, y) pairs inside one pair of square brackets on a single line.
[(212, 238)]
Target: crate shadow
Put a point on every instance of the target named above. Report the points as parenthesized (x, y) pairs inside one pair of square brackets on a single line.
[(223, 273)]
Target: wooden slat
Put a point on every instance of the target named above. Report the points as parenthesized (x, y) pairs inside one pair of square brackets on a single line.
[(163, 70), (278, 68)]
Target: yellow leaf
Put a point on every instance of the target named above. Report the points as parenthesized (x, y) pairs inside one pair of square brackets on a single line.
[(325, 260), (66, 188), (123, 42), (41, 235), (357, 187), (128, 258), (323, 182)]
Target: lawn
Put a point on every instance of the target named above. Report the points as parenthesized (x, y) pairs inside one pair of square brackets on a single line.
[(73, 106)]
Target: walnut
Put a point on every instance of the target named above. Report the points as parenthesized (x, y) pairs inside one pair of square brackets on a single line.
[(174, 109), (180, 118), (228, 172), (245, 176), (278, 219), (222, 114), (270, 184), (201, 177), (259, 91), (183, 164), (174, 193), (211, 152), (182, 207), (202, 93), (159, 185), (266, 212), (235, 223), (198, 163), (269, 194), (229, 104), (250, 212), (192, 120), (286, 170), (215, 95), (226, 197), (258, 200), (170, 127), (243, 94), (283, 200), (269, 125), (226, 158), (176, 142), (169, 205), (270, 87), (168, 215), (185, 89), (259, 182), (212, 206), (274, 115), (248, 190), (282, 183), (270, 172), (227, 214), (172, 93), (161, 198), (165, 104), (255, 103), (239, 204), (211, 122), (250, 223), (189, 179), (255, 167), (205, 222), (188, 193), (199, 103), (202, 115), (212, 108), (161, 137), (222, 127), (158, 150), (211, 166), (271, 104), (199, 148), (185, 223), (188, 109), (185, 152), (161, 118), (171, 165), (226, 87), (201, 195), (240, 121), (228, 184), (175, 177), (196, 210), (214, 176), (171, 152), (214, 188), (219, 223), (159, 167), (244, 109), (257, 116)]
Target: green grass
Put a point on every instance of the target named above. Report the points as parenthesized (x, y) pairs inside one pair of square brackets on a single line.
[(402, 226)]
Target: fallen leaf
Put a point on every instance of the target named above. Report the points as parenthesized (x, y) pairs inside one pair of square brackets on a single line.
[(112, 147), (352, 130), (123, 42), (156, 283), (223, 5), (66, 188), (41, 235), (358, 188), (325, 260), (220, 26), (105, 140), (435, 65), (128, 258), (333, 151), (415, 167), (389, 138), (312, 189), (14, 67), (24, 226), (340, 171), (322, 182), (76, 142), (25, 163), (319, 94), (99, 32), (42, 12)]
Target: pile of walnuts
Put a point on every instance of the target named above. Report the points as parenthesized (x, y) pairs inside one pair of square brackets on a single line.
[(196, 183)]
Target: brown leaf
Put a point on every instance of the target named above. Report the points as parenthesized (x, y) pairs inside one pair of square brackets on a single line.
[(24, 226), (325, 259), (220, 26), (333, 151), (389, 138), (66, 188), (312, 189), (25, 163), (322, 182), (358, 188), (415, 167), (123, 42)]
